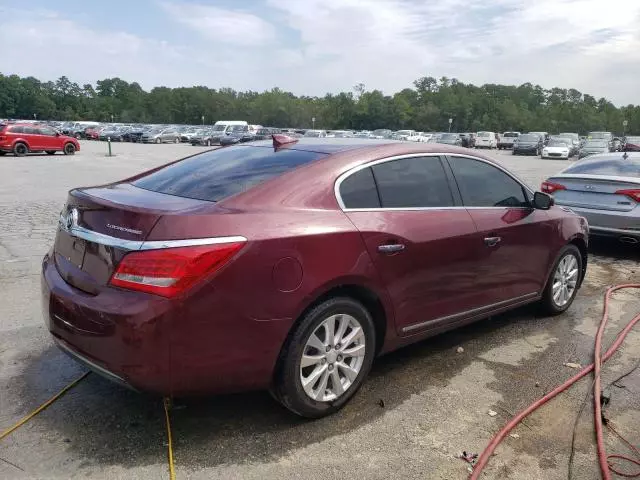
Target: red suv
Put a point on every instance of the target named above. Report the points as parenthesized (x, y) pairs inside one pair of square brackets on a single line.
[(22, 138), (292, 265)]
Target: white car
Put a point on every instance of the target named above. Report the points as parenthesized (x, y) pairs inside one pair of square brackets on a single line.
[(419, 137), (556, 149), (486, 140), (405, 134)]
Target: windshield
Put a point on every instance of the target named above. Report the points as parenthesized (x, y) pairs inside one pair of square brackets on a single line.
[(558, 143), (405, 132), (573, 136), (595, 144), (312, 133), (484, 134), (381, 132), (449, 136), (599, 135), (610, 166), (238, 128), (219, 128), (528, 138), (634, 140), (217, 174)]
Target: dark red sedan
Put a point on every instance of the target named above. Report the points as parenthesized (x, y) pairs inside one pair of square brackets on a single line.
[(291, 265)]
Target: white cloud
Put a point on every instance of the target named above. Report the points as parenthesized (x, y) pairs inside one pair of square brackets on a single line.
[(46, 45), (221, 25), (316, 46)]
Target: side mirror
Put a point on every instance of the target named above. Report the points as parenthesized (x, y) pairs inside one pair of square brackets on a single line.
[(542, 201), (57, 134)]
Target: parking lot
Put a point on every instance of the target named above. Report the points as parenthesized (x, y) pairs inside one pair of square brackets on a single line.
[(420, 407)]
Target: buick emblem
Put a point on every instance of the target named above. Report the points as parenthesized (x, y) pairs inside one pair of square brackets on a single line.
[(70, 220)]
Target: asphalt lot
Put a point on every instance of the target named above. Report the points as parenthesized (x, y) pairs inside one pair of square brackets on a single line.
[(435, 399)]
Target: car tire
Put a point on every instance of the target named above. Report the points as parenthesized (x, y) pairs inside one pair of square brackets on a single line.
[(50, 152), (69, 149), (573, 260), (20, 149), (2, 153), (158, 140), (176, 140), (208, 143), (288, 386), (78, 136)]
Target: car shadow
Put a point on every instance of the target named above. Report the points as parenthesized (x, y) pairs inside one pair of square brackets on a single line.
[(108, 425), (614, 248)]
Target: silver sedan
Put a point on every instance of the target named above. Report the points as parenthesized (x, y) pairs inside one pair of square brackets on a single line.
[(605, 189)]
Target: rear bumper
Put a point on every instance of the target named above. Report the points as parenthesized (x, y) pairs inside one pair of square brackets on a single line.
[(197, 346), (608, 223)]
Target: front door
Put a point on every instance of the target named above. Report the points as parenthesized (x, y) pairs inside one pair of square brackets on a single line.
[(512, 239), (419, 237)]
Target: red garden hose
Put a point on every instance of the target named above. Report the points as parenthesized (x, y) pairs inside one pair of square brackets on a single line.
[(598, 361)]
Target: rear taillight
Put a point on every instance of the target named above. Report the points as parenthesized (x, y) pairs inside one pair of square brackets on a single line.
[(171, 271), (633, 194), (550, 187)]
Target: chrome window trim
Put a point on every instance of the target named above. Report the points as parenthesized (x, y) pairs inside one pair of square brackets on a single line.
[(348, 173), (109, 241)]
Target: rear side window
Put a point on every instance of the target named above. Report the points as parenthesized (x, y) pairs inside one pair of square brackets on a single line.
[(412, 182), (483, 185), (359, 190), (31, 130), (215, 175)]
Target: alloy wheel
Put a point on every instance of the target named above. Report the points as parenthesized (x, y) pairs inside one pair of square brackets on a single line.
[(565, 280), (332, 357)]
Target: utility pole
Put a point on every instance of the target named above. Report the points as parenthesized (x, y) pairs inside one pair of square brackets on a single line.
[(313, 122), (203, 120), (450, 122), (624, 127)]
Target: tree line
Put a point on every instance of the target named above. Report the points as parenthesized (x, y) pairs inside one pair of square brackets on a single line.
[(427, 106)]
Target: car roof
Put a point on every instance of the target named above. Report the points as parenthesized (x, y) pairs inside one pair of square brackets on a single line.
[(329, 145)]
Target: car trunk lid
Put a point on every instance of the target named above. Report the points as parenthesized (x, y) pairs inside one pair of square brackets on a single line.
[(98, 226), (597, 192)]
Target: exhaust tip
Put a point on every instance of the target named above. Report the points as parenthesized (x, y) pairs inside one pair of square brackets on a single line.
[(629, 240)]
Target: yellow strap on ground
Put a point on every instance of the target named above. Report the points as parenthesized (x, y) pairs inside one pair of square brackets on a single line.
[(43, 406), (172, 473)]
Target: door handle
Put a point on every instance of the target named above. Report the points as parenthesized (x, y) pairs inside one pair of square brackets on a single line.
[(492, 241), (391, 248)]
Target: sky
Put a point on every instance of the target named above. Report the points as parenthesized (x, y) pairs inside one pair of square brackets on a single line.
[(311, 47)]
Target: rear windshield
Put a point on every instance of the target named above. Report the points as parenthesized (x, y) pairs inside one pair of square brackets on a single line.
[(617, 167), (215, 175), (510, 134)]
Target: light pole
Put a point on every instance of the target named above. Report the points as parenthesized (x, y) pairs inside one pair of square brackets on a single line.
[(313, 122), (450, 122), (202, 120), (624, 127), (112, 118), (35, 116)]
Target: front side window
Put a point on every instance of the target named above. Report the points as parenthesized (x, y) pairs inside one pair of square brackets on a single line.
[(50, 132), (16, 130), (483, 185), (412, 182)]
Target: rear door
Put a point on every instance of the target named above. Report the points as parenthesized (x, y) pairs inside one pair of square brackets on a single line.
[(512, 240), (419, 237), (34, 138)]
